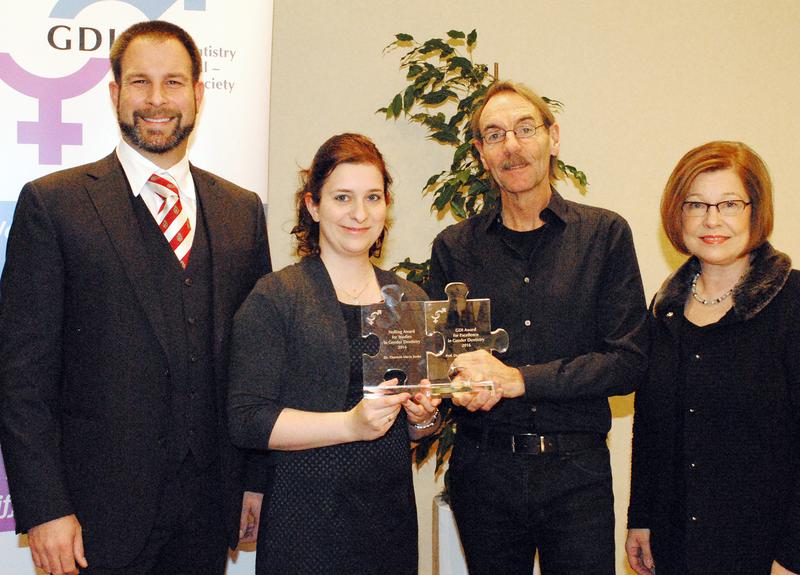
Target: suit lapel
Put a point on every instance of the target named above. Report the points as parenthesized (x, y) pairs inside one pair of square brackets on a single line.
[(110, 193), (212, 207)]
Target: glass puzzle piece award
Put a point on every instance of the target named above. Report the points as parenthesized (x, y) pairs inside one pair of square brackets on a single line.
[(465, 324), (419, 340), (403, 343)]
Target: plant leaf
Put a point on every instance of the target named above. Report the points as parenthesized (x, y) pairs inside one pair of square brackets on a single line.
[(460, 62), (436, 122), (462, 176), (460, 154), (438, 96), (478, 187), (455, 34), (433, 45), (457, 207), (396, 106), (404, 37), (471, 37), (456, 119), (444, 194), (445, 443), (432, 180), (445, 137), (408, 99), (413, 70)]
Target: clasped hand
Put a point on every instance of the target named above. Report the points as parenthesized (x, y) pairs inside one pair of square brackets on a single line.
[(372, 417), (421, 409), (483, 366)]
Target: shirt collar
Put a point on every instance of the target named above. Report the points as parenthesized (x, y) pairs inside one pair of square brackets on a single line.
[(138, 170), (556, 211)]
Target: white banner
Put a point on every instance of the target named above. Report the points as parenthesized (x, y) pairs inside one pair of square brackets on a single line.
[(54, 76)]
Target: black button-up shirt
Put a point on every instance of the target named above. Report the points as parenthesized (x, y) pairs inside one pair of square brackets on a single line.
[(572, 304)]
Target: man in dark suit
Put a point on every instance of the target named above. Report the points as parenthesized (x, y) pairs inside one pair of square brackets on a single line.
[(120, 284)]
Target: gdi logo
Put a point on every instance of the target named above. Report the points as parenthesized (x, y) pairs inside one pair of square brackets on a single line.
[(49, 132), (150, 8)]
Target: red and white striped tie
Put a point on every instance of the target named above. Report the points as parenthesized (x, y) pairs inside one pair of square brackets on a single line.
[(173, 221)]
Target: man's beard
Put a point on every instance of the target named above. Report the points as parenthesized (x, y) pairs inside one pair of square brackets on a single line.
[(164, 143)]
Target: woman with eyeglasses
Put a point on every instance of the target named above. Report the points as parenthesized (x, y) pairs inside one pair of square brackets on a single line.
[(341, 496), (715, 485)]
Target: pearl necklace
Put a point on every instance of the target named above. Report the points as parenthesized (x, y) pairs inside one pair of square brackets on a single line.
[(714, 301)]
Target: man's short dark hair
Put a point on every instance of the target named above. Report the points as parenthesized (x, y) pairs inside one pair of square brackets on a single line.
[(155, 29)]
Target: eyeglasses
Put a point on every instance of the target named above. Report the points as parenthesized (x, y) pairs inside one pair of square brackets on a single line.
[(522, 132), (695, 209)]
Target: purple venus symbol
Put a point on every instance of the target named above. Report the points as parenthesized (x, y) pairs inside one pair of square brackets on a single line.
[(6, 511), (50, 133)]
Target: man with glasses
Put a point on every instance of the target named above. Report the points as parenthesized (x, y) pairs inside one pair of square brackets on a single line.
[(530, 468)]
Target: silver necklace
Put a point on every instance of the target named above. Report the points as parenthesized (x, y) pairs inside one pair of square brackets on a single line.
[(355, 297), (714, 301)]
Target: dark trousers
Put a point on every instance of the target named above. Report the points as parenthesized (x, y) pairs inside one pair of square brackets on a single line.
[(507, 506), (188, 536)]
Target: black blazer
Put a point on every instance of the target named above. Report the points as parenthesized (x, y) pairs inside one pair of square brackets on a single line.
[(290, 349), (716, 433), (84, 362)]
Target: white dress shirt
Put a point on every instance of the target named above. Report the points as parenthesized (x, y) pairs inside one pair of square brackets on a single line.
[(138, 170)]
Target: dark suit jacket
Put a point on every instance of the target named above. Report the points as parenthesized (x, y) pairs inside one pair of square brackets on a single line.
[(84, 361)]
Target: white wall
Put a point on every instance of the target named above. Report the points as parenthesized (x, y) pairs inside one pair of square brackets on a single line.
[(642, 82)]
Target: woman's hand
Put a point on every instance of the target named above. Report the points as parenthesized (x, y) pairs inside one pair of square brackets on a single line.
[(637, 546), (371, 418), (422, 410)]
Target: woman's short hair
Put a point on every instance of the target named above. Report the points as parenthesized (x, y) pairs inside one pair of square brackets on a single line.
[(340, 149), (710, 157)]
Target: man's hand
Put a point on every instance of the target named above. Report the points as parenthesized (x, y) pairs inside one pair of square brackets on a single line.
[(778, 569), (56, 545), (483, 366), (251, 515), (637, 546)]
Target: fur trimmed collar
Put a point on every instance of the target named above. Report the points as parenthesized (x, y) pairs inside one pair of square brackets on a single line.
[(769, 270)]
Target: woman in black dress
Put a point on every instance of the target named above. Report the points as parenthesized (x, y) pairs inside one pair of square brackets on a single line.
[(715, 487), (341, 498)]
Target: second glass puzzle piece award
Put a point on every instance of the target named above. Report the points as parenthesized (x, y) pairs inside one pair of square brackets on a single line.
[(465, 324)]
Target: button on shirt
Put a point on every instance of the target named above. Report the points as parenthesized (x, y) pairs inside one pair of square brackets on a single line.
[(572, 304), (138, 169)]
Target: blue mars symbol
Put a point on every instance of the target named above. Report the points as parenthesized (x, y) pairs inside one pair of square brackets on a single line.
[(150, 8)]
